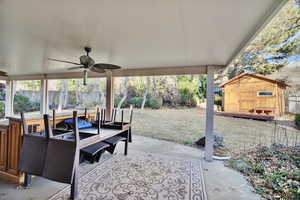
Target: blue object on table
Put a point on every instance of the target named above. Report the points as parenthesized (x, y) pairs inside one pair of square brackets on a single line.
[(81, 123)]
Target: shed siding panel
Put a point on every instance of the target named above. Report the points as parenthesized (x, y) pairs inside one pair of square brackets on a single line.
[(232, 97)]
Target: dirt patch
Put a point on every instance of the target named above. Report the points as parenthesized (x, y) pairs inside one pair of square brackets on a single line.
[(273, 171)]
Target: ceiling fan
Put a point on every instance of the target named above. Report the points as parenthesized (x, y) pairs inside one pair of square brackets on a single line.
[(88, 64)]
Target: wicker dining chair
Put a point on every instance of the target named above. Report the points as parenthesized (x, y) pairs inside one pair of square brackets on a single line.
[(33, 152), (62, 156)]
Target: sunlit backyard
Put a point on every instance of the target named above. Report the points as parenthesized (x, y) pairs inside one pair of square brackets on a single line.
[(186, 125)]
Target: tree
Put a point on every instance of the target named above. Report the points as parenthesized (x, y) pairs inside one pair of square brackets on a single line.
[(275, 46), (145, 93), (125, 83), (77, 92), (202, 87), (63, 95)]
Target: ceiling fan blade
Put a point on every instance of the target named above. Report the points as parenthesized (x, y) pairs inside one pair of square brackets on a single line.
[(74, 63), (106, 66), (77, 67), (98, 70), (2, 73)]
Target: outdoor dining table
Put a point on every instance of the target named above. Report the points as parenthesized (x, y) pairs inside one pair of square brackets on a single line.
[(92, 137), (59, 150), (88, 136)]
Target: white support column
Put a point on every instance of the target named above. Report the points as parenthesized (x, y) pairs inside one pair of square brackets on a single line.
[(210, 97), (44, 98), (9, 98), (109, 95)]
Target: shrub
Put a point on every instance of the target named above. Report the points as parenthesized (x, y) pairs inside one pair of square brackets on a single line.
[(23, 104), (88, 105), (2, 95), (218, 101), (117, 101), (171, 99), (188, 91), (297, 120), (155, 103), (132, 92), (35, 106), (201, 91), (136, 101), (187, 97), (2, 112)]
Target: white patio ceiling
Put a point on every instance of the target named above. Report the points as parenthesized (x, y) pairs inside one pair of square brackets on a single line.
[(130, 33)]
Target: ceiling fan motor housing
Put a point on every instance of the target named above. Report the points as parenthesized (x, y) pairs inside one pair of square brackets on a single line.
[(86, 61)]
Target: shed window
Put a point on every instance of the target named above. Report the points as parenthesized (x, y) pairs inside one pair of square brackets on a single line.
[(265, 93)]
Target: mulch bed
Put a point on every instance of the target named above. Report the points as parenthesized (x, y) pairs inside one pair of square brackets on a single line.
[(273, 171)]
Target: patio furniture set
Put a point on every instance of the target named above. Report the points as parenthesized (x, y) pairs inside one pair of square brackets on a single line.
[(56, 152)]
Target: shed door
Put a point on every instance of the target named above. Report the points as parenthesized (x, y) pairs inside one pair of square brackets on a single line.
[(247, 101)]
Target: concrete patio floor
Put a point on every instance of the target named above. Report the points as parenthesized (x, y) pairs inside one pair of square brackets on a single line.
[(221, 182)]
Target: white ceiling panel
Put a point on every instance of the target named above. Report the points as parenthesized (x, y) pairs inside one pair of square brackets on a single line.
[(130, 33)]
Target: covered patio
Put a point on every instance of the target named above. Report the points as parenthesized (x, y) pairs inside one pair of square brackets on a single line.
[(145, 38), (220, 182)]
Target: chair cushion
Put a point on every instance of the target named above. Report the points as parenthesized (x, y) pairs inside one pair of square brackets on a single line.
[(114, 140), (94, 148), (81, 123)]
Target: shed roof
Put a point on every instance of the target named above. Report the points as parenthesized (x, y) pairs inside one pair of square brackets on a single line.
[(256, 76)]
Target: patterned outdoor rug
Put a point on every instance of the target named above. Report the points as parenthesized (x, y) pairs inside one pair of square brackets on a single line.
[(141, 176)]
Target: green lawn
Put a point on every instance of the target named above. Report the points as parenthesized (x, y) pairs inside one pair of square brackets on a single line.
[(185, 126)]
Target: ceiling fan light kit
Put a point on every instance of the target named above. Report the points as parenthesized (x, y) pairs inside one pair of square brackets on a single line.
[(88, 64)]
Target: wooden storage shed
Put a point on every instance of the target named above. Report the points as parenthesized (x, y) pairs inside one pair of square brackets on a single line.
[(254, 94)]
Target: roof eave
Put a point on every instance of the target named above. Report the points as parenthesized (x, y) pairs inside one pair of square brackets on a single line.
[(255, 76)]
